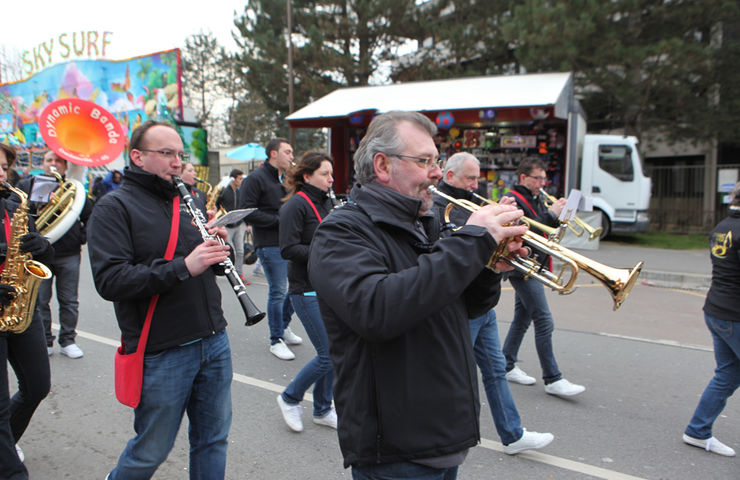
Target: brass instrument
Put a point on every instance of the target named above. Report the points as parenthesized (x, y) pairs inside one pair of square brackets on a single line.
[(20, 272), (63, 209), (619, 281), (212, 195), (554, 234), (593, 233), (335, 202)]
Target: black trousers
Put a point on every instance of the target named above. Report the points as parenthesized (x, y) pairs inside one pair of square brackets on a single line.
[(27, 354)]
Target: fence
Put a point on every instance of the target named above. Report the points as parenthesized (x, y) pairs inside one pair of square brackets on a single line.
[(677, 200)]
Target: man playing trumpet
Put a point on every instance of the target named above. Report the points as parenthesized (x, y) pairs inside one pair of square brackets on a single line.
[(396, 300), (530, 302)]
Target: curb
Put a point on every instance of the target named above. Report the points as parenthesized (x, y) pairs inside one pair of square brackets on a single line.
[(686, 281)]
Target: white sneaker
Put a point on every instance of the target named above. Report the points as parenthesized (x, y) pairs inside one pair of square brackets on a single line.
[(23, 457), (72, 351), (517, 375), (529, 441), (291, 338), (710, 445), (329, 420), (281, 351), (564, 388), (291, 414), (50, 350)]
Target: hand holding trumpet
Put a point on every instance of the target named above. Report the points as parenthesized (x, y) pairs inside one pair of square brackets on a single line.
[(498, 220)]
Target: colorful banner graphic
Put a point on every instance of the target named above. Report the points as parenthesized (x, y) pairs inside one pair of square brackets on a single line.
[(133, 90)]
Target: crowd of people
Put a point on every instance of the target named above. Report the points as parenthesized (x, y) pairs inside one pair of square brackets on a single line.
[(424, 283)]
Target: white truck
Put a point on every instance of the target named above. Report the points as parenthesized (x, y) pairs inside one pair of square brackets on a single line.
[(610, 170)]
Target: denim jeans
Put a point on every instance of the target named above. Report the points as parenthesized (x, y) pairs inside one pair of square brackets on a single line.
[(193, 378), (279, 309), (66, 274), (26, 353), (530, 305), (319, 370), (407, 470), (236, 240), (492, 364), (726, 336)]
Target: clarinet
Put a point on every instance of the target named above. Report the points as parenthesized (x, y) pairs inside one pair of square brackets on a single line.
[(250, 309)]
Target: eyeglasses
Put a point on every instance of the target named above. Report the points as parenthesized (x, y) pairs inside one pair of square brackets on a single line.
[(541, 179), (428, 162), (168, 153)]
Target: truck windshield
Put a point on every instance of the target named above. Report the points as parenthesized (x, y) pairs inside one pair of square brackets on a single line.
[(616, 160)]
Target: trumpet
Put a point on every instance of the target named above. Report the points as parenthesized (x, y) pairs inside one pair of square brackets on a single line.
[(554, 234), (618, 281), (578, 226)]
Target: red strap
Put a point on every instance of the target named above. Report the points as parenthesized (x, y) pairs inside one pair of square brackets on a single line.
[(302, 194), (521, 197), (7, 235), (169, 253)]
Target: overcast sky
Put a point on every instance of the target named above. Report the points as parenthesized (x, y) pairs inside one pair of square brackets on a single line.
[(138, 27)]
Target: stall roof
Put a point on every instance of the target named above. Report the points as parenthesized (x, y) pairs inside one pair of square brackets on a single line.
[(542, 89)]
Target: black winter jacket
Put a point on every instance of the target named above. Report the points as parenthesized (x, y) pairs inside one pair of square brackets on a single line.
[(71, 242), (723, 298), (458, 216), (396, 306), (298, 223), (229, 200), (129, 230), (262, 190)]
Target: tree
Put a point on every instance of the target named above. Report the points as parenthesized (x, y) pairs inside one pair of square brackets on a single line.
[(201, 74), (640, 64), (337, 43)]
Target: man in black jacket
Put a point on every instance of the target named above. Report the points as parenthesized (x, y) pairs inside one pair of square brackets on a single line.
[(263, 189), (530, 301), (460, 181), (65, 269), (187, 367), (396, 301), (228, 199)]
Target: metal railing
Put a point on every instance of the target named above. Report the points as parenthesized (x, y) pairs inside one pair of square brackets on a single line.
[(677, 202)]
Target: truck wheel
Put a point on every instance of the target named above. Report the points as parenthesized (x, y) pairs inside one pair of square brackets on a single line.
[(605, 224)]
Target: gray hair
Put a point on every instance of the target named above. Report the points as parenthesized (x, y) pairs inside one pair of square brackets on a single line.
[(382, 137), (456, 162)]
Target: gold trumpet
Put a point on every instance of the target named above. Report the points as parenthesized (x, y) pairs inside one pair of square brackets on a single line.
[(619, 281), (582, 226)]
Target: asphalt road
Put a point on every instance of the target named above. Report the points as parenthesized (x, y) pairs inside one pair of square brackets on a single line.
[(644, 368)]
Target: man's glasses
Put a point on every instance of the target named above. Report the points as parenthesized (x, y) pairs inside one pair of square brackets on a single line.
[(541, 179), (429, 162), (168, 153)]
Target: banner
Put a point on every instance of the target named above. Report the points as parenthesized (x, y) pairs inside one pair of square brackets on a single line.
[(133, 90)]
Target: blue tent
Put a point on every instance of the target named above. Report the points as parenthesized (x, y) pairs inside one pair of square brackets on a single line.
[(245, 153)]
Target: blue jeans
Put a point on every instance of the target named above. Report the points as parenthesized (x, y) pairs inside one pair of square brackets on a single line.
[(66, 271), (193, 378), (408, 470), (319, 370), (279, 309), (530, 305), (236, 240), (726, 336), (492, 364)]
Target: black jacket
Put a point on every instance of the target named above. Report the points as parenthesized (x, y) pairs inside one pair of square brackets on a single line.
[(129, 230), (263, 190), (396, 304), (71, 242), (298, 223), (229, 200), (538, 212), (723, 298), (458, 216)]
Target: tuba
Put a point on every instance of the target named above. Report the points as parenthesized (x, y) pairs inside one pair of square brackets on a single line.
[(86, 135), (619, 281), (21, 272)]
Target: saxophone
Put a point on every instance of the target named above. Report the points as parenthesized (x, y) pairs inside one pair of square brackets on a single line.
[(20, 272)]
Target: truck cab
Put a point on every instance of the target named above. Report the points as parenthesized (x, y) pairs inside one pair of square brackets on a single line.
[(612, 173)]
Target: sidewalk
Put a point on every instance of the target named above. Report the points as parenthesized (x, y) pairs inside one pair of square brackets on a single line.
[(688, 269)]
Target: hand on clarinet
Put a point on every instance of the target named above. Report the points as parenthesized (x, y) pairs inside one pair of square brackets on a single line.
[(208, 253), (220, 231)]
